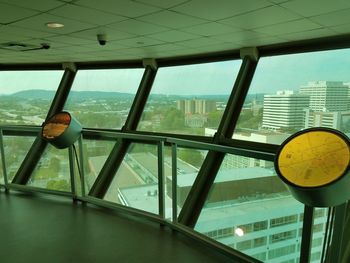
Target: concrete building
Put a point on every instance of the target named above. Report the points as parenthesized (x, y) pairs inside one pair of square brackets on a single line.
[(329, 96), (196, 106), (284, 110)]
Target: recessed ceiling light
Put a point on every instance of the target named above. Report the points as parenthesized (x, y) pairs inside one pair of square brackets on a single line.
[(54, 25)]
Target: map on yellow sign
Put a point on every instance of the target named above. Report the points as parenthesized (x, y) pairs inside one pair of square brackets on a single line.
[(314, 158)]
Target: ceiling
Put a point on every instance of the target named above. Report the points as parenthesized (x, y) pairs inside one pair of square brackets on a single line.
[(137, 29)]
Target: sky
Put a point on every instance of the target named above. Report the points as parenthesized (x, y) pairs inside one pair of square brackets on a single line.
[(272, 74)]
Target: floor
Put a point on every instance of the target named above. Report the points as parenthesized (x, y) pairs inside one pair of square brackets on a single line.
[(55, 229)]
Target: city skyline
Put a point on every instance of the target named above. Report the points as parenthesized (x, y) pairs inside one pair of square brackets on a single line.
[(272, 74)]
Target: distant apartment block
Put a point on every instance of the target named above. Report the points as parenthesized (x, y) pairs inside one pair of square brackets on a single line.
[(284, 110), (329, 96), (196, 106)]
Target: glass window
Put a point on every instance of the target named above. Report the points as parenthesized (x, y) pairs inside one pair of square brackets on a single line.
[(282, 251), (188, 164), (260, 256), (103, 98), (26, 96), (244, 245), (136, 181), (260, 241), (283, 236), (188, 99), (16, 149), (249, 198), (293, 92), (2, 180), (52, 171), (284, 220), (320, 220), (95, 154)]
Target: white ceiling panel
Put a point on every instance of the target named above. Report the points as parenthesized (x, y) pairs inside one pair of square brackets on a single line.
[(240, 36), (71, 40), (137, 27), (111, 34), (126, 8), (289, 27), (22, 32), (172, 19), (262, 17), (200, 42), (316, 33), (10, 13), (316, 7), (139, 42), (210, 29), (162, 28), (40, 5), (333, 19), (85, 15), (343, 29), (162, 3), (219, 9), (173, 36), (39, 22)]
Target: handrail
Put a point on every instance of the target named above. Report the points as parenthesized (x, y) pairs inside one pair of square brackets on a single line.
[(106, 134)]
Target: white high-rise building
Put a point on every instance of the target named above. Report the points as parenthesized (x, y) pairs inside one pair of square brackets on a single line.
[(284, 110), (326, 95)]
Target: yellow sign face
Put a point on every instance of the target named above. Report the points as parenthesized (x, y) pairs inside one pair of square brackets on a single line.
[(314, 158)]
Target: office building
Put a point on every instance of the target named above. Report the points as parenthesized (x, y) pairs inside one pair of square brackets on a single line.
[(325, 96), (284, 110)]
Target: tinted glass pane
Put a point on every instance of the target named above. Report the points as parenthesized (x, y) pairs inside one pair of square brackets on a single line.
[(25, 96), (248, 208), (96, 153), (1, 171), (136, 182), (188, 164), (52, 171), (293, 92), (187, 99), (102, 98), (319, 228), (16, 149)]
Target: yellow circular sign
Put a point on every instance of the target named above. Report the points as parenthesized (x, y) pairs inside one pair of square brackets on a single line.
[(314, 158)]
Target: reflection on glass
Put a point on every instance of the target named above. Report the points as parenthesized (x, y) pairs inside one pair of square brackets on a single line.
[(188, 99), (2, 180), (102, 98), (249, 209), (95, 155), (188, 164), (319, 228), (16, 149), (293, 92), (136, 182), (25, 96), (52, 171)]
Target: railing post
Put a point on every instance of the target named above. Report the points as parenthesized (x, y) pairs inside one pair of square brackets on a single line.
[(3, 159), (174, 181), (161, 189), (72, 170), (81, 167)]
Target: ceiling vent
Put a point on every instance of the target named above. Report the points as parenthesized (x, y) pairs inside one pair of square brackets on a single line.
[(17, 46)]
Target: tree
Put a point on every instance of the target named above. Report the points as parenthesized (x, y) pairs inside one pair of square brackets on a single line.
[(190, 156), (214, 118), (173, 119)]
